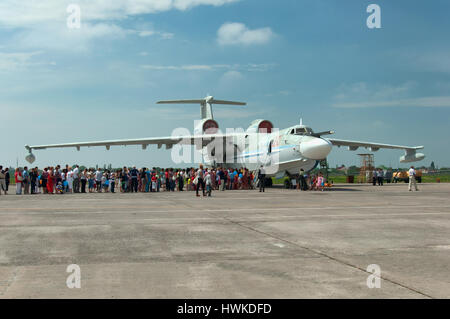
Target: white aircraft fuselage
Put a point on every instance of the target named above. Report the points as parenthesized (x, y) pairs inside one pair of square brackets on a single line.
[(283, 152)]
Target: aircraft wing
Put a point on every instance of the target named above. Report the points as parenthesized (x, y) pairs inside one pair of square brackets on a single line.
[(160, 141), (410, 151), (353, 145)]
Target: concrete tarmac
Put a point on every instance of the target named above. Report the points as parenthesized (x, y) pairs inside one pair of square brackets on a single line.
[(237, 244)]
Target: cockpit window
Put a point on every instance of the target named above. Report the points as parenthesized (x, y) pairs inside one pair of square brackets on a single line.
[(302, 131)]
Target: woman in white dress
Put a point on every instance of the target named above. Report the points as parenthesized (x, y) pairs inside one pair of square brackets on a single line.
[(69, 179)]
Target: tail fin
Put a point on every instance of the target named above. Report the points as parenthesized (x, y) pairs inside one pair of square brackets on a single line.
[(205, 105)]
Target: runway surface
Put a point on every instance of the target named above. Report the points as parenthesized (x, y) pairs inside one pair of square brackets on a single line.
[(237, 244)]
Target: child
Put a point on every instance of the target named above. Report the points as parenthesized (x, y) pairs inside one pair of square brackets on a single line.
[(65, 185), (188, 184), (105, 183), (313, 182), (153, 183), (320, 182), (59, 188), (208, 183)]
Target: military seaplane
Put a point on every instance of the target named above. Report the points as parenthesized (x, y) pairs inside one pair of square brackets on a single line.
[(282, 152)]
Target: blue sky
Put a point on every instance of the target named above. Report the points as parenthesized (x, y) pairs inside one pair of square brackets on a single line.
[(288, 59)]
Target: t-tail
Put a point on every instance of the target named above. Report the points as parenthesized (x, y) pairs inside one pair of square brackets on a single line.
[(205, 105)]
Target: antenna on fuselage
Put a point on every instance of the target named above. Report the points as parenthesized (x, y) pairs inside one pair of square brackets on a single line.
[(205, 105)]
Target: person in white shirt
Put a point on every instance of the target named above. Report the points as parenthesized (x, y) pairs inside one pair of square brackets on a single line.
[(104, 183), (200, 181), (76, 179), (208, 182), (412, 179), (63, 180), (380, 177), (98, 179), (69, 179)]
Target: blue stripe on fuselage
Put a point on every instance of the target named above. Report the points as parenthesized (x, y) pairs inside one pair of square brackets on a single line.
[(275, 150)]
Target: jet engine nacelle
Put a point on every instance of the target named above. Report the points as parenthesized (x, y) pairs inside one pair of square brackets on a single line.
[(30, 158), (408, 158), (260, 126), (206, 126)]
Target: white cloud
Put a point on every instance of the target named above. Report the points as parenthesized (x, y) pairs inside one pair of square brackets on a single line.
[(19, 13), (251, 67), (16, 60), (149, 33), (232, 76), (238, 34), (50, 36), (231, 79), (437, 61), (360, 95), (188, 67), (431, 101), (146, 33), (43, 24)]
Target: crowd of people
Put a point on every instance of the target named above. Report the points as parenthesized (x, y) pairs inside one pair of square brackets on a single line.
[(58, 180), (313, 182), (378, 177)]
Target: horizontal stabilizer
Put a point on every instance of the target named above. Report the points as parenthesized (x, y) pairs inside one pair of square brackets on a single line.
[(203, 101), (227, 102), (205, 105), (182, 102)]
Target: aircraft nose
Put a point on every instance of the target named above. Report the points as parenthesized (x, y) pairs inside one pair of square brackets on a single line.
[(316, 148)]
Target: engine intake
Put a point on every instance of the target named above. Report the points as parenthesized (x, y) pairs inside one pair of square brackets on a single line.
[(260, 126), (207, 126)]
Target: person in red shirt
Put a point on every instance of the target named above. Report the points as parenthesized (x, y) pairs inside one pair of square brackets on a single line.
[(245, 179), (166, 174), (154, 181), (50, 181), (19, 179)]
